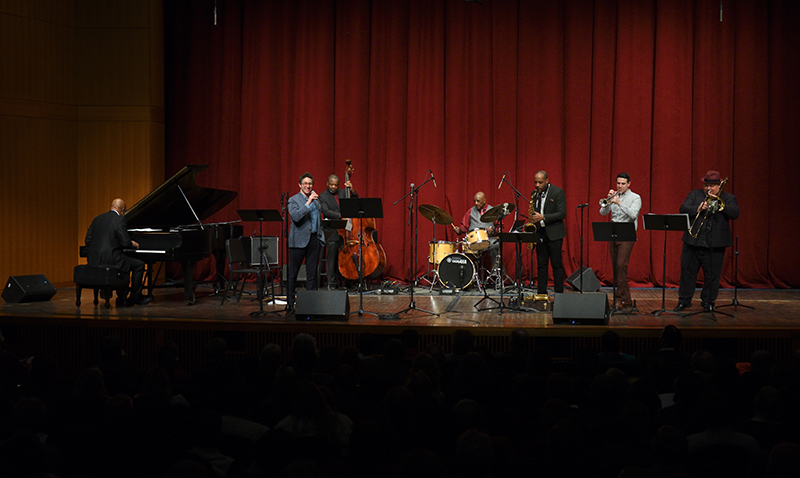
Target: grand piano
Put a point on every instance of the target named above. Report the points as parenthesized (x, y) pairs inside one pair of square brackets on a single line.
[(168, 225)]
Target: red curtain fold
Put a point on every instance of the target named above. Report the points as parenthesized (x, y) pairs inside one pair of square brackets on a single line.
[(583, 89)]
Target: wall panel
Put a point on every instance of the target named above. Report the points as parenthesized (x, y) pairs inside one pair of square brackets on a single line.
[(81, 122)]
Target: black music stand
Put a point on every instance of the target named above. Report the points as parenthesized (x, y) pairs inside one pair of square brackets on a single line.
[(665, 222), (361, 208), (261, 215), (330, 227), (517, 238), (613, 232)]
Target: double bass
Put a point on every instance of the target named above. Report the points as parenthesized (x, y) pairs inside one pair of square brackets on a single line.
[(362, 233)]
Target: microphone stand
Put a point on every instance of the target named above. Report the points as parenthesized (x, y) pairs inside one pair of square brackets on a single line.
[(517, 195), (412, 199), (736, 302), (580, 267)]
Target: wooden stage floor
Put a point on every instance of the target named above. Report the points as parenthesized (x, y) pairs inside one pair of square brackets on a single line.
[(772, 309), (72, 334)]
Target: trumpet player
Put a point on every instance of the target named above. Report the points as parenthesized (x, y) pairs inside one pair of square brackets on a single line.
[(624, 206), (704, 246)]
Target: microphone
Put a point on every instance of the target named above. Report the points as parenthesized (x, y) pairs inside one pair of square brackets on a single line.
[(501, 181), (434, 179), (412, 185), (582, 205)]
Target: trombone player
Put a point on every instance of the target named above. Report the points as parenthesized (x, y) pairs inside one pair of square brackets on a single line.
[(710, 210), (624, 206)]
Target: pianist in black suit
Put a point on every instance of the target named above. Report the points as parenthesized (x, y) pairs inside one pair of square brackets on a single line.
[(106, 239)]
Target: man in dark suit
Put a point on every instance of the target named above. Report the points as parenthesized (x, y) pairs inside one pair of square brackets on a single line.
[(106, 239), (305, 237), (329, 201), (704, 246), (550, 209)]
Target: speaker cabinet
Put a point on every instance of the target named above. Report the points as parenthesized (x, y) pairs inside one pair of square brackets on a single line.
[(322, 305), (584, 279), (30, 288), (581, 309), (271, 251)]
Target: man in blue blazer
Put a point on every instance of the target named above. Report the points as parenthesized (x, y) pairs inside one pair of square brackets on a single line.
[(305, 237)]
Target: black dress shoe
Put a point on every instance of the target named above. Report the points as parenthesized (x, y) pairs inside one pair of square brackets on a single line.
[(143, 300), (708, 307), (680, 307)]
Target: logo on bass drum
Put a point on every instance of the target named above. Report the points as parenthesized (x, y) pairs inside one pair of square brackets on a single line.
[(457, 260)]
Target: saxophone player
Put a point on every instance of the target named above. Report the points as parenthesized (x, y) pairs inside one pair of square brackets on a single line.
[(624, 206), (704, 246)]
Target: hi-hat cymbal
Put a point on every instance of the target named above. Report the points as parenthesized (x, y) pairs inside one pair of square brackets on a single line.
[(435, 214), (497, 212)]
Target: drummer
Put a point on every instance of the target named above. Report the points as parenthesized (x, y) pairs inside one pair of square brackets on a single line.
[(472, 221)]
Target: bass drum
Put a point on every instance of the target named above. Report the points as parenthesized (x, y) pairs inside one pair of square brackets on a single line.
[(456, 271)]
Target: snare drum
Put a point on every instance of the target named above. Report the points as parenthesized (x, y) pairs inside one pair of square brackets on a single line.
[(439, 250), (477, 239), (456, 271)]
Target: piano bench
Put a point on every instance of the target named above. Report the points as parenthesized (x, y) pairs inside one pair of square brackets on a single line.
[(99, 279)]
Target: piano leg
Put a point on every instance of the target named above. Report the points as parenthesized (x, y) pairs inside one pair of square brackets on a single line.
[(188, 282)]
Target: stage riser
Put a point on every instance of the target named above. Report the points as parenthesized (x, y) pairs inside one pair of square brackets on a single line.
[(75, 345)]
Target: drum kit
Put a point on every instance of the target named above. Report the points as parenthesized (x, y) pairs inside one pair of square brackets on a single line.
[(454, 262)]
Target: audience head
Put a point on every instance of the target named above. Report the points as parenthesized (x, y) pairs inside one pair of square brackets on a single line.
[(463, 342), (611, 342)]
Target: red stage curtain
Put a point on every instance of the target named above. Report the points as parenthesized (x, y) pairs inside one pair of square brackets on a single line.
[(583, 89)]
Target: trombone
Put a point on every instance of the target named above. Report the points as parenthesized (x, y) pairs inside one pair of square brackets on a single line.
[(714, 205)]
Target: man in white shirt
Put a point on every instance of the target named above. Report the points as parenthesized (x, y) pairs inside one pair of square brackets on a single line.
[(624, 206)]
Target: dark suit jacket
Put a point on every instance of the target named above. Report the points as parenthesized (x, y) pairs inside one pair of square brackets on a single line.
[(106, 238), (720, 229), (555, 210), (330, 207)]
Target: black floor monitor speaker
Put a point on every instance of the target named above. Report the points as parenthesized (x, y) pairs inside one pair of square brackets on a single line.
[(584, 279), (589, 308), (30, 288), (322, 305)]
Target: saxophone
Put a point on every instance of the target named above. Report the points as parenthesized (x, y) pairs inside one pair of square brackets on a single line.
[(529, 226)]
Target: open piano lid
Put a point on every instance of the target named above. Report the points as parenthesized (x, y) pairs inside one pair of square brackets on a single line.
[(166, 205)]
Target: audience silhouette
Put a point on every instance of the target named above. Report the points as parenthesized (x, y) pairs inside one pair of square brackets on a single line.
[(401, 407)]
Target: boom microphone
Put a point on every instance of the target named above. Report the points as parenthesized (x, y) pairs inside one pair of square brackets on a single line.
[(434, 179), (501, 181)]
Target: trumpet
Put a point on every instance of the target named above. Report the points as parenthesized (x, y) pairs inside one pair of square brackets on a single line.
[(604, 201)]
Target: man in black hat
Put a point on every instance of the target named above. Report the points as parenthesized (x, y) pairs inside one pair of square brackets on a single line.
[(704, 246)]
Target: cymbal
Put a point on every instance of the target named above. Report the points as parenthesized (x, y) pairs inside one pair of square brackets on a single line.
[(497, 212), (435, 214)]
